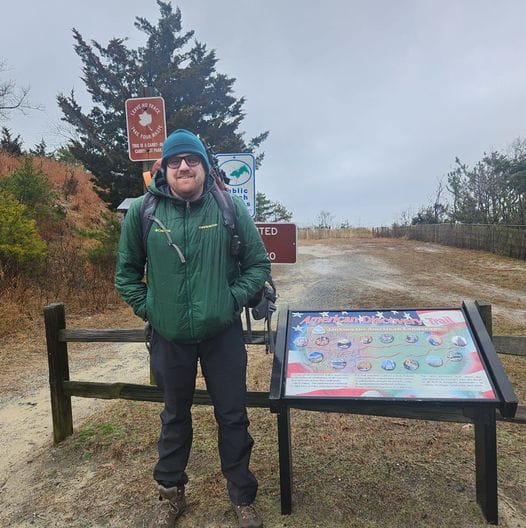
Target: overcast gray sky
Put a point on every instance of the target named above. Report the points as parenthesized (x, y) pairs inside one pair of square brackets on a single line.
[(367, 102)]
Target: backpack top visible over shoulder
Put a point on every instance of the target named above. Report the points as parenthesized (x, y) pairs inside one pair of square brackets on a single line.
[(148, 206)]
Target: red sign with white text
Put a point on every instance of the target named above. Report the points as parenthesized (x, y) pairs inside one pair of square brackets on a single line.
[(146, 126), (280, 242)]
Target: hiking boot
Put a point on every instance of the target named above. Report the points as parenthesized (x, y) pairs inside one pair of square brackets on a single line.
[(247, 516), (172, 507)]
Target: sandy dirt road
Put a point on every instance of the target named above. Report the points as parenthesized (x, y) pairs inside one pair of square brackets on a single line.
[(368, 273), (25, 419)]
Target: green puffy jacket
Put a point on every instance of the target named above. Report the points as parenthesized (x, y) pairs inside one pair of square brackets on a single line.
[(196, 290)]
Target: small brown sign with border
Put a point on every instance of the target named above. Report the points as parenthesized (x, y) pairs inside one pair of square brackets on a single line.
[(280, 241), (146, 127)]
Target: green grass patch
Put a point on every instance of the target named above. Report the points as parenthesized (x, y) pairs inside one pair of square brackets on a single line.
[(94, 437)]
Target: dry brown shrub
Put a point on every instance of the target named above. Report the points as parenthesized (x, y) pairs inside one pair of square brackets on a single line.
[(84, 207), (71, 279), (67, 277), (11, 319), (85, 289), (8, 163)]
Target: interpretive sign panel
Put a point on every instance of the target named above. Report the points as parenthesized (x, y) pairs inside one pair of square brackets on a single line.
[(406, 354), (426, 364)]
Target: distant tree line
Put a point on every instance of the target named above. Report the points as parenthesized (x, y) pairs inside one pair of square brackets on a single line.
[(493, 191), (13, 145)]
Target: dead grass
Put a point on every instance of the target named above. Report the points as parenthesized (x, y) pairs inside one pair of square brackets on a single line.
[(349, 470), (437, 273)]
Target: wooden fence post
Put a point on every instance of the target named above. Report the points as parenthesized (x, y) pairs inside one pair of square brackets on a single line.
[(485, 313), (57, 355)]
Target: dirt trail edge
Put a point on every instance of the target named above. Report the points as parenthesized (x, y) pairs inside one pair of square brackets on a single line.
[(25, 421)]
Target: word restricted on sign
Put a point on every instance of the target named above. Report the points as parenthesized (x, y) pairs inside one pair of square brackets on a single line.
[(280, 242)]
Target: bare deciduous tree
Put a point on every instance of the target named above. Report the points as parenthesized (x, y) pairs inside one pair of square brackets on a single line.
[(405, 217), (13, 98), (324, 220)]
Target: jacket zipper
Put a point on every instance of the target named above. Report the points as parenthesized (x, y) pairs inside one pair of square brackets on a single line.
[(187, 282), (166, 232)]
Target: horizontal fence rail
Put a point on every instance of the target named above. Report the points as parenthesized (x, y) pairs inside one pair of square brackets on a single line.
[(132, 391), (62, 388), (500, 239), (132, 335)]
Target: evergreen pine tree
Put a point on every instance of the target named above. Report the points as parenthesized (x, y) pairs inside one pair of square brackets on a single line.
[(31, 187), (263, 207), (268, 211), (39, 149), (21, 248), (10, 144), (196, 97)]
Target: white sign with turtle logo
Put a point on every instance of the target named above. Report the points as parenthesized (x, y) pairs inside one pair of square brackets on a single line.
[(240, 169)]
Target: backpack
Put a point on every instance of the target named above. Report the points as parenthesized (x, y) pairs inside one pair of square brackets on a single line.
[(262, 303)]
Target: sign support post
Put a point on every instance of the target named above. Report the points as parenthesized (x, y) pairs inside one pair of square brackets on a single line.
[(285, 460), (147, 165), (486, 463)]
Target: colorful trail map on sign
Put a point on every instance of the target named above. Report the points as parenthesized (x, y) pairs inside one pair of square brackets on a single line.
[(384, 354)]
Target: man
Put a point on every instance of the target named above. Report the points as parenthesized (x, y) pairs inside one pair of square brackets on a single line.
[(193, 297)]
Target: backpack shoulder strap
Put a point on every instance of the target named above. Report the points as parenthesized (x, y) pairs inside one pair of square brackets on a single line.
[(148, 206), (263, 302), (224, 201), (226, 204)]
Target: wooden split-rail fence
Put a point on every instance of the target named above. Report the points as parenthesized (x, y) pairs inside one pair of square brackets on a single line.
[(62, 388)]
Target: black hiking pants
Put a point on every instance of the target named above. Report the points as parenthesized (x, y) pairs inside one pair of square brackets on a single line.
[(223, 362)]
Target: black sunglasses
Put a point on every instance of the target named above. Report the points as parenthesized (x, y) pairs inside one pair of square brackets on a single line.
[(192, 160)]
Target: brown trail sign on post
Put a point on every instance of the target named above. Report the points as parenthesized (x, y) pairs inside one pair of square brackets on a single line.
[(280, 242), (146, 127)]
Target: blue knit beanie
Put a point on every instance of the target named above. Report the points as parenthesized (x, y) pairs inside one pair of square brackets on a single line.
[(181, 142)]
